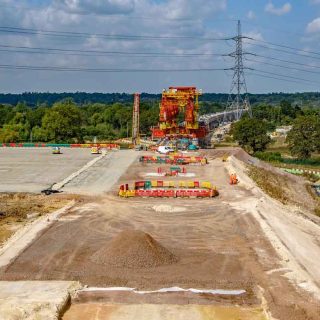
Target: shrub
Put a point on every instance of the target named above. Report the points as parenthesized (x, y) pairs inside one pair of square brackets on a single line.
[(269, 156)]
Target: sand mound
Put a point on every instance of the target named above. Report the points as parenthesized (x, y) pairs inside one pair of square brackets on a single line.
[(133, 249)]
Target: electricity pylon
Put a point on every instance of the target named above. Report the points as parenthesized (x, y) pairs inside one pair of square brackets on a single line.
[(238, 101)]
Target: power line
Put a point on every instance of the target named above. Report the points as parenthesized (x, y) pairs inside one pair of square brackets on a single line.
[(285, 51), (285, 76), (284, 46), (286, 61), (272, 29), (104, 55), (43, 50), (101, 70), (284, 67), (270, 77), (71, 34)]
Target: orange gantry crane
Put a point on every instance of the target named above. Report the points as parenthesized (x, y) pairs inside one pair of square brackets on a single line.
[(174, 101)]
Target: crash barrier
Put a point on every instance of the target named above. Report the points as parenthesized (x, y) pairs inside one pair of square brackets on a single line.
[(302, 171), (109, 146), (173, 171), (174, 159), (160, 188)]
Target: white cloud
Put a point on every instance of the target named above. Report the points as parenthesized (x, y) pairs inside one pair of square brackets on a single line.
[(157, 18), (279, 11), (183, 9), (96, 6), (313, 26), (183, 18), (251, 15), (254, 35)]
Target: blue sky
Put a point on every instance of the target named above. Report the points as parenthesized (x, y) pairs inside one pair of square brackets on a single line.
[(294, 23)]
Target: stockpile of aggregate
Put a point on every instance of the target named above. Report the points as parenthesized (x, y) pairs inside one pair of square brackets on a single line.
[(134, 249)]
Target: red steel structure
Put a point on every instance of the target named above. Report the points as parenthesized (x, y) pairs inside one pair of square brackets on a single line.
[(136, 119), (174, 101)]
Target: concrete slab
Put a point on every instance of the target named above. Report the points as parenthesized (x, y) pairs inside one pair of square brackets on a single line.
[(100, 177), (34, 169), (30, 300)]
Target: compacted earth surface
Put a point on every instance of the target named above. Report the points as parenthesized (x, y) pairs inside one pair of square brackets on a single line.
[(143, 258)]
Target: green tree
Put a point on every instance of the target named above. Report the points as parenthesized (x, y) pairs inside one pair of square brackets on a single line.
[(39, 134), (251, 134), (34, 116), (62, 122), (14, 133), (304, 137), (6, 114)]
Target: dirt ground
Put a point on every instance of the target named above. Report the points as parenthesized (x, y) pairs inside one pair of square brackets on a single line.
[(17, 209), (161, 312), (218, 246)]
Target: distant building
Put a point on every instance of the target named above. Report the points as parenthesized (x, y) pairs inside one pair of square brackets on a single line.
[(281, 131)]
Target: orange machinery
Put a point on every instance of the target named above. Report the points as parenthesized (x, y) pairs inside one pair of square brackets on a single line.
[(174, 101)]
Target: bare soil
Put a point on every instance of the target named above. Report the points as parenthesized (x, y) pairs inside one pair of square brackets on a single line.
[(18, 208), (217, 246)]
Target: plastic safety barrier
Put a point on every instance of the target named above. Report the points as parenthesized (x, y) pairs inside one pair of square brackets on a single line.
[(206, 185), (174, 159), (109, 146), (160, 188)]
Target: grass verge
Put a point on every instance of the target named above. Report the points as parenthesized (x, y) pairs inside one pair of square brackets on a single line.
[(271, 183)]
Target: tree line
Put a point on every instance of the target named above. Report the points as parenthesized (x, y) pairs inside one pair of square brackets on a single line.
[(303, 139), (66, 121), (311, 99)]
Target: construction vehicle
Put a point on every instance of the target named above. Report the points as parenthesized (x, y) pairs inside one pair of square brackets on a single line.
[(165, 149), (95, 150), (56, 150)]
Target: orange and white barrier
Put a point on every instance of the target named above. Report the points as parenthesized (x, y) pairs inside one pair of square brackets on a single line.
[(162, 189)]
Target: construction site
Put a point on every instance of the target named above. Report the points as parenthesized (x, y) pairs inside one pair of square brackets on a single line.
[(166, 230)]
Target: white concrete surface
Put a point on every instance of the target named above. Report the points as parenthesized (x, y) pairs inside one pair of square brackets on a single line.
[(75, 174), (35, 169), (34, 300), (100, 177)]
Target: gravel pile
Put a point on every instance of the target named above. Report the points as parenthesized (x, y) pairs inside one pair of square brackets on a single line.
[(134, 249)]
